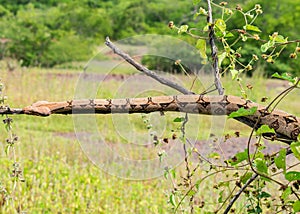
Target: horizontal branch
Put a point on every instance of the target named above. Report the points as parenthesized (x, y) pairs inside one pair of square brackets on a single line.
[(286, 126), (7, 110)]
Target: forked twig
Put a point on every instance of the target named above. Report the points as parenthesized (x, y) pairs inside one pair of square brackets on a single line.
[(145, 70), (214, 50)]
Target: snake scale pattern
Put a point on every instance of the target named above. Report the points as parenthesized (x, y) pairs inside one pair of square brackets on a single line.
[(286, 126)]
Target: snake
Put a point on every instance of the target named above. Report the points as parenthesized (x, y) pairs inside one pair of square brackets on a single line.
[(285, 125)]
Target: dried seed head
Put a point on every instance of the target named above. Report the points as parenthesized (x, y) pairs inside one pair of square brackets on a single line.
[(238, 55), (254, 57), (270, 60), (237, 134), (171, 24), (259, 11), (264, 56), (241, 31), (257, 6), (293, 55), (248, 68), (223, 3), (166, 140), (178, 61), (238, 7), (249, 86), (202, 11), (228, 11), (256, 37), (264, 99), (275, 34)]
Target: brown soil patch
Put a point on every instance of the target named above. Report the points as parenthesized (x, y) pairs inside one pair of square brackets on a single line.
[(226, 149)]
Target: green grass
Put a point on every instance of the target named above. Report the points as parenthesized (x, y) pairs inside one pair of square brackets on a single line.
[(59, 176)]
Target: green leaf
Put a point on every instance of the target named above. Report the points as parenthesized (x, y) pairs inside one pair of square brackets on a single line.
[(252, 28), (201, 46), (191, 193), (224, 184), (264, 47), (229, 34), (264, 194), (261, 165), (292, 176), (285, 76), (280, 160), (234, 73), (221, 25), (166, 174), (221, 57), (264, 129), (179, 119), (259, 155), (239, 157), (220, 199), (285, 194), (244, 38), (243, 112), (214, 155), (196, 2), (7, 148), (246, 177), (183, 29), (219, 34), (267, 45), (173, 173), (295, 146), (296, 206), (197, 184), (280, 39), (172, 200), (206, 28)]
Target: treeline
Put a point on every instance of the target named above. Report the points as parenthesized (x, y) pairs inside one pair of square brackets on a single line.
[(51, 32)]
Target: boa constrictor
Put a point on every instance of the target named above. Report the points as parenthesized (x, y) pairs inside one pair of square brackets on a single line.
[(286, 126)]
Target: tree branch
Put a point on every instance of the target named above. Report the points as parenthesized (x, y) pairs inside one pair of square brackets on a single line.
[(145, 70), (214, 50), (237, 195), (194, 104)]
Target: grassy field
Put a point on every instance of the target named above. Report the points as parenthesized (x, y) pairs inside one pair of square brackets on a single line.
[(60, 178)]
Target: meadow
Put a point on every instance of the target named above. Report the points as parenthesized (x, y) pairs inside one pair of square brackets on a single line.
[(60, 178)]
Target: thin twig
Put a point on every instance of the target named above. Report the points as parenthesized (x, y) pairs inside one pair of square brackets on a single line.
[(145, 70), (253, 178), (237, 195), (214, 50)]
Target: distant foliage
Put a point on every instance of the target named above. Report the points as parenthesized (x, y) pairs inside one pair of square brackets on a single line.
[(51, 32), (276, 17), (47, 33)]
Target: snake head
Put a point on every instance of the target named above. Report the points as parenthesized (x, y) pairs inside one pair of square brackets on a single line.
[(39, 108)]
